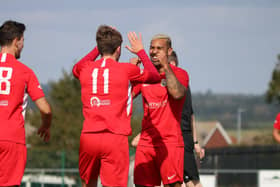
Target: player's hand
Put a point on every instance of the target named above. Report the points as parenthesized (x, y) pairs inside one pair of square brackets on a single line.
[(135, 42), (200, 152), (135, 140), (136, 61), (112, 27), (44, 132)]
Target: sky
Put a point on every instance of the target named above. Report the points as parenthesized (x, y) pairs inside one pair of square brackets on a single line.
[(226, 46)]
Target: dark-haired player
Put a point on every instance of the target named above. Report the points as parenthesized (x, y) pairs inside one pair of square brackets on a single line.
[(17, 81)]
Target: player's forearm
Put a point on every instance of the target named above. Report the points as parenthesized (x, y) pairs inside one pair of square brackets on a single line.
[(193, 128), (46, 119), (46, 114), (174, 87), (153, 75), (276, 135), (136, 90), (91, 56), (45, 110)]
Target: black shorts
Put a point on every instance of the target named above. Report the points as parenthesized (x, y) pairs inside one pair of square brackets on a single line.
[(190, 166)]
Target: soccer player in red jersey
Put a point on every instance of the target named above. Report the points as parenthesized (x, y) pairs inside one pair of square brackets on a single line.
[(107, 106), (16, 81), (276, 129), (191, 175), (159, 154)]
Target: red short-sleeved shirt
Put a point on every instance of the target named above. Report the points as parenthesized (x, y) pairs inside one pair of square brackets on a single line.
[(277, 122), (17, 81), (162, 113)]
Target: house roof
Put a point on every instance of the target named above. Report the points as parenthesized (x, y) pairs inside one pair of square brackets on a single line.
[(206, 129)]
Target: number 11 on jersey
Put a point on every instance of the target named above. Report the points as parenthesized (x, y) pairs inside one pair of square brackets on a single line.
[(105, 80)]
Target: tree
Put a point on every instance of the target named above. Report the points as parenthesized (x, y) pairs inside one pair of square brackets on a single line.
[(65, 98), (273, 92)]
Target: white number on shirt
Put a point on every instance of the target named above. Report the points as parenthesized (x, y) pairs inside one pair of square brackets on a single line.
[(105, 78), (5, 90)]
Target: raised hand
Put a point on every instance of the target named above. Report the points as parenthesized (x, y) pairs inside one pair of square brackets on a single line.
[(135, 42)]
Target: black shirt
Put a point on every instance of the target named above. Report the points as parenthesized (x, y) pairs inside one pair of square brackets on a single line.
[(187, 113)]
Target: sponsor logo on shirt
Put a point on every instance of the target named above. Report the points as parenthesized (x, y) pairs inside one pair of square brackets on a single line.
[(4, 103), (154, 105), (96, 102)]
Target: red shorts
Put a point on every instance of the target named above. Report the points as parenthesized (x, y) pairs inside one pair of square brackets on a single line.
[(12, 163), (104, 154), (156, 164)]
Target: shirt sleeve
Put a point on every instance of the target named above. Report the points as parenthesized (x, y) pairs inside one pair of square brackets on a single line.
[(277, 122), (149, 72), (136, 90), (91, 56), (147, 75), (182, 76), (34, 88)]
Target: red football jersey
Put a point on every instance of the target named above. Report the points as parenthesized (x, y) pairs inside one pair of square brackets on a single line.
[(106, 91), (16, 82), (277, 122), (162, 113)]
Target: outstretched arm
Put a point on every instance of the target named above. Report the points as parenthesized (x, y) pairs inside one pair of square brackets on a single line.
[(137, 48)]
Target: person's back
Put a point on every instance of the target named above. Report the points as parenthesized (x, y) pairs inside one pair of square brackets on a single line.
[(107, 100), (16, 82)]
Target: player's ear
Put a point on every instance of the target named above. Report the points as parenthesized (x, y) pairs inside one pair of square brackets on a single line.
[(169, 51), (119, 50), (118, 53), (15, 42)]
